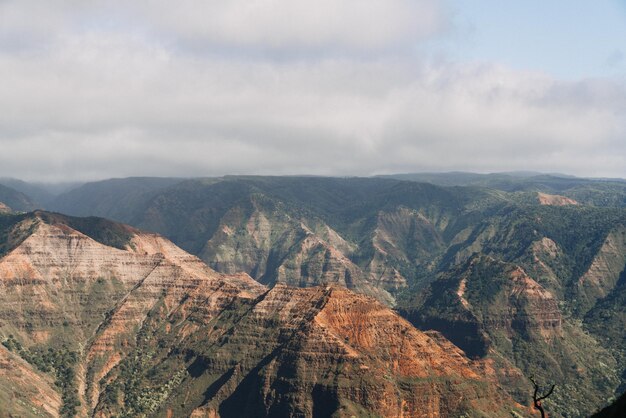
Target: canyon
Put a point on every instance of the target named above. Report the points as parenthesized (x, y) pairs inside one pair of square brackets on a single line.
[(152, 330), (523, 278)]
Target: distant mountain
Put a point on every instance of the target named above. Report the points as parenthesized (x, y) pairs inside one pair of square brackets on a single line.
[(408, 244), (101, 319), (15, 200), (299, 231), (42, 194), (597, 192), (114, 199)]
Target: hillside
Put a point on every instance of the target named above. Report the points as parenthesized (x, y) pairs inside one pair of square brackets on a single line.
[(302, 230), (394, 239), (596, 192), (492, 309), (110, 320), (616, 409), (114, 199), (15, 200)]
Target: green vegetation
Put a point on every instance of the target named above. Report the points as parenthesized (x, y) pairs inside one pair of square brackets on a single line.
[(593, 192), (499, 318), (16, 200), (479, 228), (60, 363), (106, 232), (8, 240)]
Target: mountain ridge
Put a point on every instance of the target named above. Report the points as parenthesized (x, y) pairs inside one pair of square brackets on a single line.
[(132, 330), (396, 240)]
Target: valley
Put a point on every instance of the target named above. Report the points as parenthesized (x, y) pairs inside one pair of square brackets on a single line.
[(290, 278)]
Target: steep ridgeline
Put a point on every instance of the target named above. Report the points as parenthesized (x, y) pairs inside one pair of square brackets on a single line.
[(393, 239), (374, 236), (495, 310), (99, 319), (543, 288)]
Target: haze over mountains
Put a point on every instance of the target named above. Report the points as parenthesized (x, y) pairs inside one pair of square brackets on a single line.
[(524, 273), (280, 257)]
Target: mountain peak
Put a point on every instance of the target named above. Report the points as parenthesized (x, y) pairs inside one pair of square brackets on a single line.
[(196, 341)]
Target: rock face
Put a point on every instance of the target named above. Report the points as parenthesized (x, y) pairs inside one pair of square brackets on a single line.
[(306, 352), (402, 237), (545, 297), (606, 267), (495, 310), (275, 247), (554, 200), (490, 297), (132, 325), (25, 392)]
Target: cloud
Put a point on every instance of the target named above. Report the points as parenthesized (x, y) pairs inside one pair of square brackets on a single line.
[(102, 100), (295, 24), (268, 25)]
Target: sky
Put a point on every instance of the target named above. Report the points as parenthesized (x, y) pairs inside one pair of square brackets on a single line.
[(99, 89)]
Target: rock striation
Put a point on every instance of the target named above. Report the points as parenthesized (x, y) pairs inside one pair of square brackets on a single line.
[(23, 391), (494, 310), (545, 298), (604, 272), (131, 325), (308, 352), (554, 200)]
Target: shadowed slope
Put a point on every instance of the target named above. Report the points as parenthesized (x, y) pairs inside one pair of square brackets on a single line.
[(148, 328)]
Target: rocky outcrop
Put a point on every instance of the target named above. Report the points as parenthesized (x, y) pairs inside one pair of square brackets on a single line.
[(606, 268), (274, 247), (504, 298), (150, 329), (531, 307), (24, 391), (406, 234), (547, 260), (271, 245), (314, 262), (369, 234), (313, 352), (60, 286), (496, 311), (402, 237), (554, 200)]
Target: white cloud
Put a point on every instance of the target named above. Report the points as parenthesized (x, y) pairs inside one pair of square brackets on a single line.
[(103, 100), (266, 24), (361, 24)]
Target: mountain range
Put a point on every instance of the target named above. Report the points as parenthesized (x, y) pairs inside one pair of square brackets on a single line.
[(101, 319), (382, 296)]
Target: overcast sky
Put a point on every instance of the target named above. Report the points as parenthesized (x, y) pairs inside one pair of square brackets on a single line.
[(99, 89)]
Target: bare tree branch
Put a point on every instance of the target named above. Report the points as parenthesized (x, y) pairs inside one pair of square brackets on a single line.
[(537, 399), (547, 394)]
